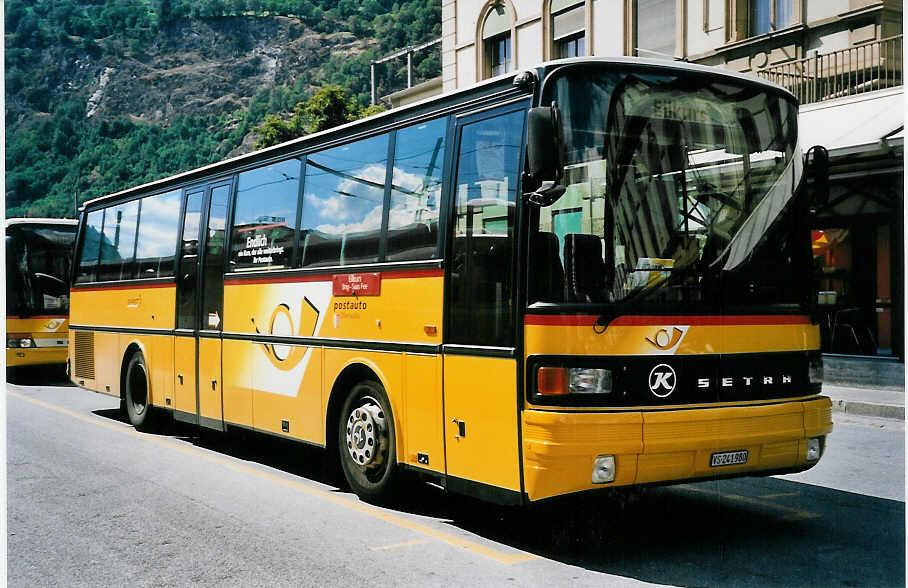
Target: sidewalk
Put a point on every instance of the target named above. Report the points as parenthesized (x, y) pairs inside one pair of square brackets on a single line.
[(888, 404)]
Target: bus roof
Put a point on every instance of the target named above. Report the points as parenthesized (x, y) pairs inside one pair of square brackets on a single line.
[(41, 221), (502, 85)]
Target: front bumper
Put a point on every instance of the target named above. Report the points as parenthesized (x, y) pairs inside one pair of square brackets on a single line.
[(654, 446)]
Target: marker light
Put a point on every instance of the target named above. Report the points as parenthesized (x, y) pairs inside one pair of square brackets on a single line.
[(815, 370), (604, 469), (813, 449)]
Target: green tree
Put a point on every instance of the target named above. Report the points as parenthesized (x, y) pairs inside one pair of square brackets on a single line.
[(329, 107)]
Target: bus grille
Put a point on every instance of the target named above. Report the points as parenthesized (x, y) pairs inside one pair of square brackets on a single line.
[(84, 362)]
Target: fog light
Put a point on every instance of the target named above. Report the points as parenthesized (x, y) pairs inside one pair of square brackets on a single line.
[(813, 449), (604, 469)]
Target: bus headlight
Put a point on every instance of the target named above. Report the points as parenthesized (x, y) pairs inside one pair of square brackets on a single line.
[(17, 340), (556, 381)]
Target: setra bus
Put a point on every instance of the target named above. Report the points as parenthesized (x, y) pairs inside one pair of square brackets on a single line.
[(38, 264), (590, 274)]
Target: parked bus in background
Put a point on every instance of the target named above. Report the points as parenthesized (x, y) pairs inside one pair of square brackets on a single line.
[(594, 273), (38, 263)]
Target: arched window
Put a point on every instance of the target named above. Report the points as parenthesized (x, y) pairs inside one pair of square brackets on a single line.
[(568, 28), (496, 40)]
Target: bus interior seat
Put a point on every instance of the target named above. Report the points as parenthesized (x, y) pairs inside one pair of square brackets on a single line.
[(321, 250), (547, 277), (414, 241), (360, 248), (584, 267)]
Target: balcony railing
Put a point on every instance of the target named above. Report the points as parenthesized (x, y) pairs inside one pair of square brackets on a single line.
[(864, 68)]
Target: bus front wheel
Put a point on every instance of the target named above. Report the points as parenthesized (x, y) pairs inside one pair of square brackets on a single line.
[(138, 405), (366, 442)]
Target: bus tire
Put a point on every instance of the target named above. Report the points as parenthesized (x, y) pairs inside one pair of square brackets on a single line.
[(136, 396), (366, 442)]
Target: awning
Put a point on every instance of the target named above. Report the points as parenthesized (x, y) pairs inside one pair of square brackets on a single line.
[(856, 124)]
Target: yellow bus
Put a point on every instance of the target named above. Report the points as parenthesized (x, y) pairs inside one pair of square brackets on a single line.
[(38, 261), (590, 274)]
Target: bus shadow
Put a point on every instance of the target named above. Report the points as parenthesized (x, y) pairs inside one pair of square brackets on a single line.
[(742, 532), (38, 375), (745, 532)]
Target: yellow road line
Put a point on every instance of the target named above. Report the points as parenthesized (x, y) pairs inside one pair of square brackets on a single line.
[(794, 514), (404, 544), (368, 509)]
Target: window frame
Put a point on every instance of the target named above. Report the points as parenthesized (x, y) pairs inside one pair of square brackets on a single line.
[(481, 41), (551, 45)]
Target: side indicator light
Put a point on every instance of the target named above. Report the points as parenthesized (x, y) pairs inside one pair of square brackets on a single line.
[(552, 381)]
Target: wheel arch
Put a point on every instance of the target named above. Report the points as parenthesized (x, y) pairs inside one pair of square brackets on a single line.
[(132, 348), (357, 370)]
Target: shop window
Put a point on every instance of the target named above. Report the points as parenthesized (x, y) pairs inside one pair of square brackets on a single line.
[(655, 28), (769, 15), (568, 26), (496, 41)]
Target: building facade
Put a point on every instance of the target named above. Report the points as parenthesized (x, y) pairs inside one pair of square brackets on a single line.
[(841, 58)]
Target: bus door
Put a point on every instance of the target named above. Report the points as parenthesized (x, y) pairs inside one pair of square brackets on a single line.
[(198, 393), (480, 364)]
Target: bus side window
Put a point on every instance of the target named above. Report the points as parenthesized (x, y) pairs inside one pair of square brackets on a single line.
[(118, 242), (343, 202), (157, 235), (264, 224), (90, 247), (416, 191)]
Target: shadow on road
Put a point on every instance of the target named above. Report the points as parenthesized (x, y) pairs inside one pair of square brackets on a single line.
[(38, 375), (743, 532)]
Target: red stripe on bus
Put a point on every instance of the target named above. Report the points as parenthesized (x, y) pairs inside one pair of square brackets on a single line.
[(645, 321), (392, 275), (122, 287)]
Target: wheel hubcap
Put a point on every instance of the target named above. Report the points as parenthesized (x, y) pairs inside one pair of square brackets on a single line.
[(366, 435)]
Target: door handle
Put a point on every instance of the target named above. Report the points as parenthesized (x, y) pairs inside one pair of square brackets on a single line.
[(180, 376), (214, 384), (461, 428)]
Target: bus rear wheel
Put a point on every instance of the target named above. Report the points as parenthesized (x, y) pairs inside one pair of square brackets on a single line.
[(366, 442), (137, 398)]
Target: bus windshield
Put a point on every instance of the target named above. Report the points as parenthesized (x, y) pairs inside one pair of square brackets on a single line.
[(676, 191), (38, 259)]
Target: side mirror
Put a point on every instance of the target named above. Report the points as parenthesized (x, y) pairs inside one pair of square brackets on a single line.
[(818, 172), (545, 164)]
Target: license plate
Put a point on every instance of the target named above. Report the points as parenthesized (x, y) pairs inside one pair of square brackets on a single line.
[(728, 458)]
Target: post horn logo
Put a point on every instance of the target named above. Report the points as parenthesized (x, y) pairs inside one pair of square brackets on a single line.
[(667, 338), (286, 357)]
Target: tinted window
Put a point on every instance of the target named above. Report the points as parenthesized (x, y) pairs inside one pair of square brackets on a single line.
[(189, 257), (156, 244), (482, 265), (265, 218), (91, 242), (416, 191), (118, 242), (342, 206)]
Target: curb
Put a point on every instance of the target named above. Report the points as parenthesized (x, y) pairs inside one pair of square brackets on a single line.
[(886, 411)]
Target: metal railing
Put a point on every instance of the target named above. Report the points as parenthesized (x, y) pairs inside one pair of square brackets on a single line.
[(872, 66), (408, 52)]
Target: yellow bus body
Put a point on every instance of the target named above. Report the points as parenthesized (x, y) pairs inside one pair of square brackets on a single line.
[(50, 334), (286, 390)]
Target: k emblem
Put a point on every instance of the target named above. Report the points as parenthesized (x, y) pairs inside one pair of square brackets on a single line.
[(662, 380)]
